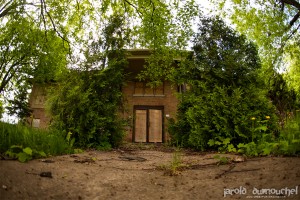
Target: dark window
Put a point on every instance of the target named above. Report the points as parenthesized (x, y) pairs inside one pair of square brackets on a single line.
[(142, 89), (181, 88)]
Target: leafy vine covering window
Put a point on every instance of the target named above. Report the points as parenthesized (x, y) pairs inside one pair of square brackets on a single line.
[(142, 89)]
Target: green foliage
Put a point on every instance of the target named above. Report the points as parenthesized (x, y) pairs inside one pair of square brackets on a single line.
[(226, 92), (26, 52), (86, 105), (19, 105), (274, 27), (268, 23), (293, 72), (24, 143), (24, 154), (86, 102), (288, 142), (223, 145), (283, 97), (27, 55)]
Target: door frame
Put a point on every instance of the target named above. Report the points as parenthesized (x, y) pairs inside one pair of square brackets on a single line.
[(147, 108)]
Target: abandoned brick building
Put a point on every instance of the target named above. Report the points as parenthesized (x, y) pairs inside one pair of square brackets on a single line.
[(147, 108)]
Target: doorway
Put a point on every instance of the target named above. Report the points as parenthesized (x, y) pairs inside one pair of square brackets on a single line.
[(148, 124)]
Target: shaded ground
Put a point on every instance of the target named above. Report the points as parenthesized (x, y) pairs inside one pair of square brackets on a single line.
[(144, 174)]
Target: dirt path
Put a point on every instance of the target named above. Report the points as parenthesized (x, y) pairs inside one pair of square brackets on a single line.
[(138, 175)]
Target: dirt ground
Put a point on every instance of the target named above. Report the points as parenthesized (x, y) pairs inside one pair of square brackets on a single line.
[(146, 174)]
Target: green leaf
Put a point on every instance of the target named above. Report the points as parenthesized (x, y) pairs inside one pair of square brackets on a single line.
[(263, 128), (23, 157), (231, 148), (28, 151), (211, 142), (267, 150), (69, 136), (226, 141), (16, 148)]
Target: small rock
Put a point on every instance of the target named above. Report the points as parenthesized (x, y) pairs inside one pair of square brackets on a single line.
[(46, 174), (47, 161)]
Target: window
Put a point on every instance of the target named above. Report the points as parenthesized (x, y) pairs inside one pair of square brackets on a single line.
[(182, 88), (36, 123), (142, 89)]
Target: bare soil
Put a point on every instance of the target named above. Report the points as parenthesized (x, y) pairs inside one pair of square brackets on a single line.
[(146, 174)]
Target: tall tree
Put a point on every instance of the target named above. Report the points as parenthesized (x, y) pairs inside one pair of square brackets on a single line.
[(31, 47)]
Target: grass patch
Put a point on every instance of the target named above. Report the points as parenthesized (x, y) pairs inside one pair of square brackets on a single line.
[(18, 140)]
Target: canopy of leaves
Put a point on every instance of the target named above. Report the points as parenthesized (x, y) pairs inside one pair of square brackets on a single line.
[(36, 34), (274, 26)]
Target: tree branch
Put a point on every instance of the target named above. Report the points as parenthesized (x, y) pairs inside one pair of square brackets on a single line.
[(293, 32), (135, 7), (10, 73), (296, 5), (54, 26), (4, 12), (4, 60), (292, 3), (295, 18), (43, 18)]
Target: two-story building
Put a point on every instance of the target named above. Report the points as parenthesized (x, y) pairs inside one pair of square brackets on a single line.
[(147, 109)]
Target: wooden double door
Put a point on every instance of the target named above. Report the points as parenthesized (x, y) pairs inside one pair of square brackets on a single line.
[(148, 124)]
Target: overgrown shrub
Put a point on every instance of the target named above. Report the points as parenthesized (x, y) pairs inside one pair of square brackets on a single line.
[(227, 99), (87, 105), (87, 100)]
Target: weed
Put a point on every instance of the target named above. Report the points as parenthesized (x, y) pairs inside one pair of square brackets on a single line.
[(222, 160), (176, 165)]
